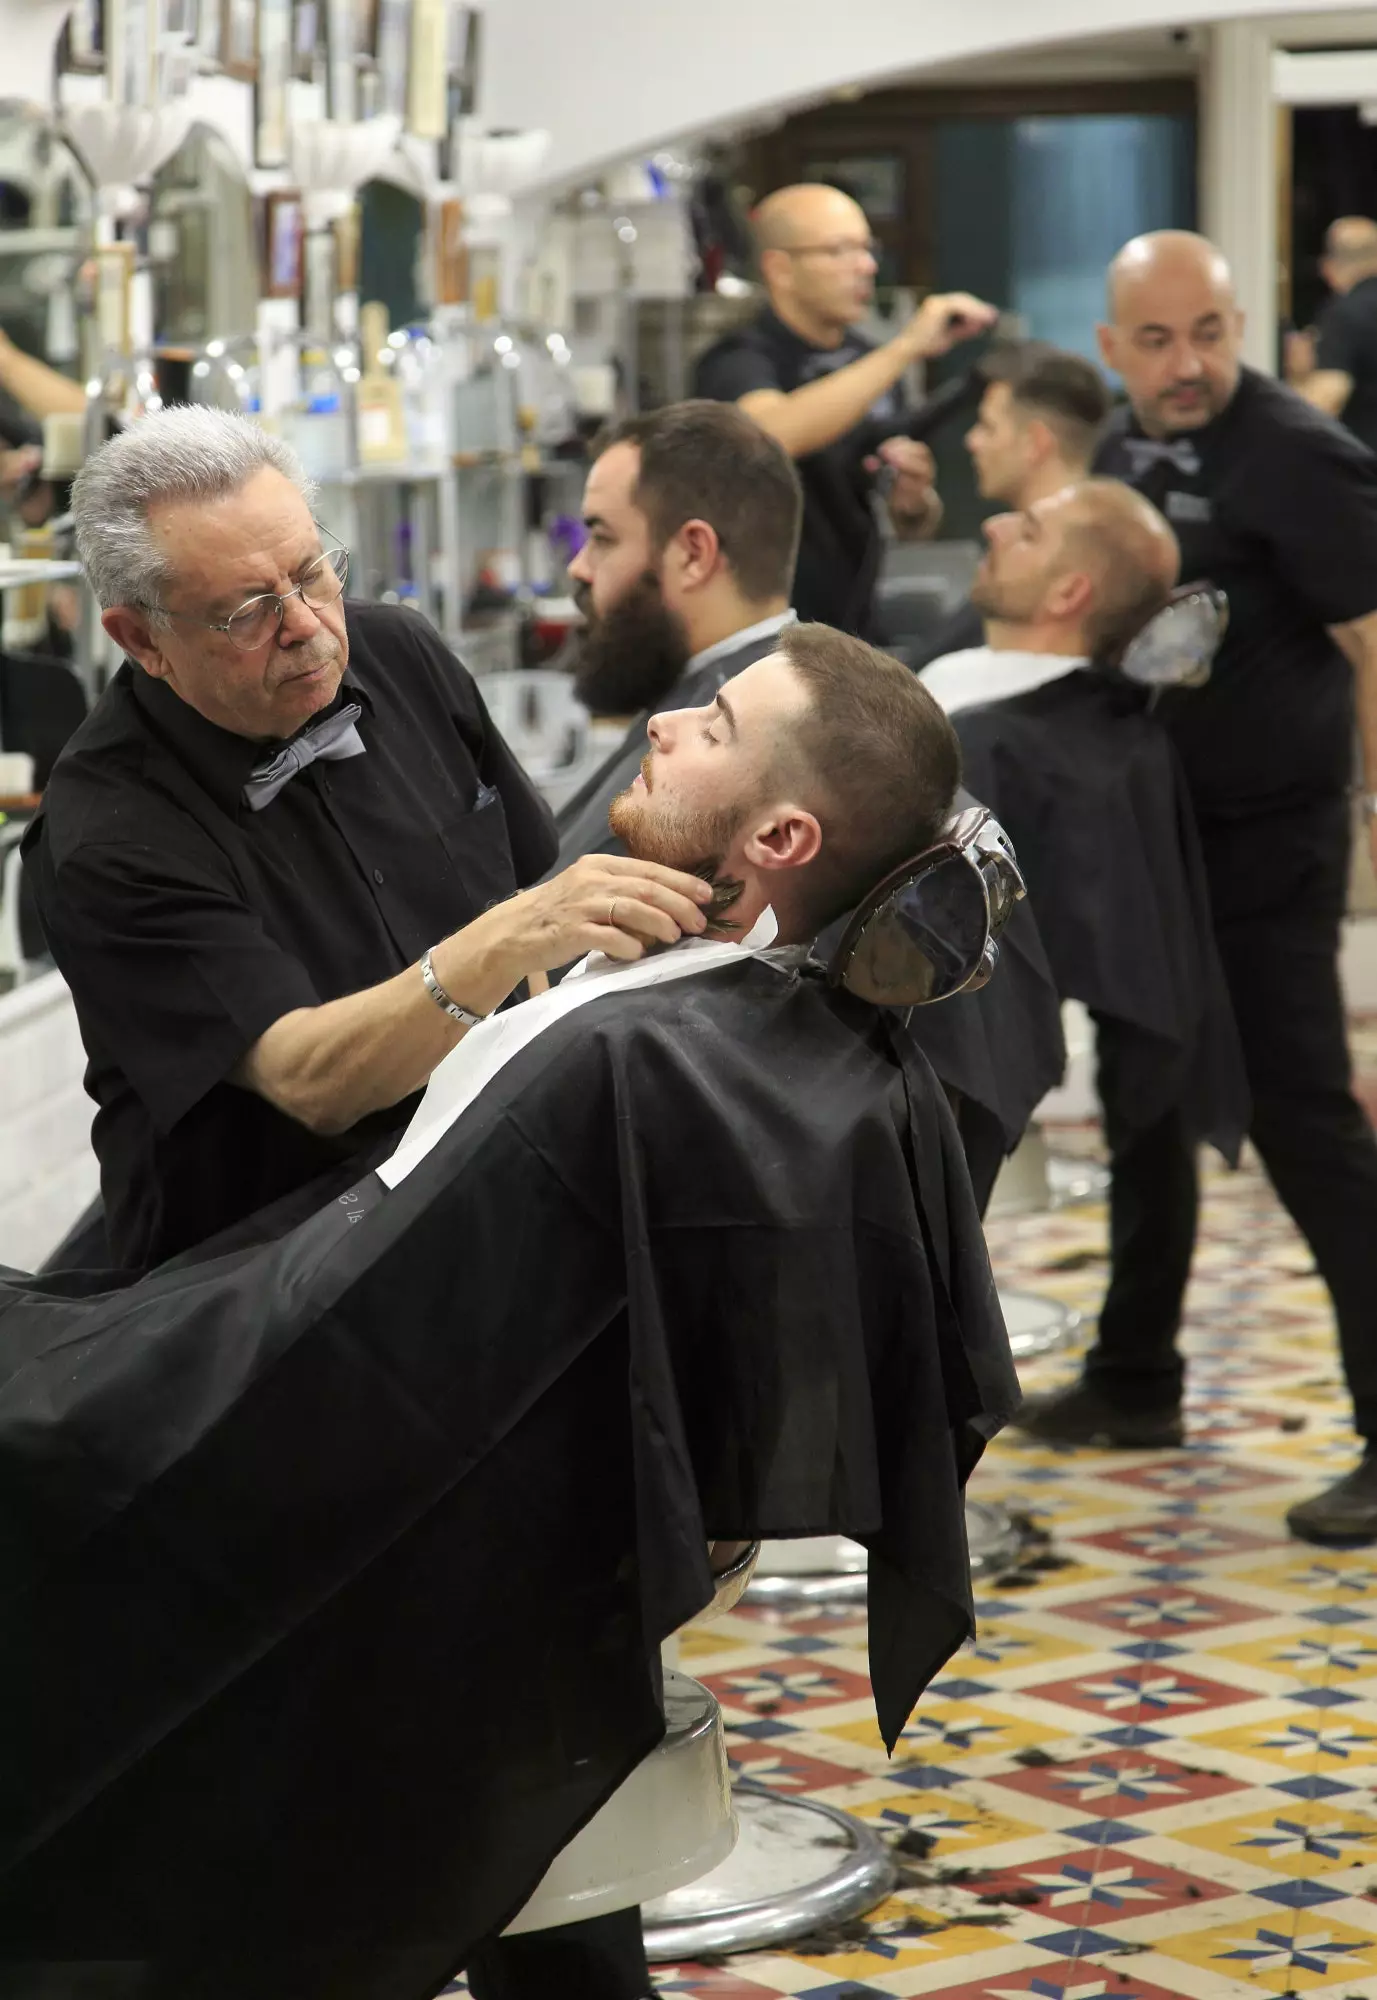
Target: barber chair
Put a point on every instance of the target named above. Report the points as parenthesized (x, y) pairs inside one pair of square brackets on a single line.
[(1037, 1181), (1174, 649), (930, 930), (546, 727), (672, 1820), (42, 705)]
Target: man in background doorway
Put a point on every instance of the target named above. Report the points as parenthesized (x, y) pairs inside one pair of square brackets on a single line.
[(1034, 435), (1343, 380), (809, 379)]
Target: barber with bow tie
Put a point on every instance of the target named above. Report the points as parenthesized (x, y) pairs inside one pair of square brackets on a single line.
[(278, 865), (1276, 505)]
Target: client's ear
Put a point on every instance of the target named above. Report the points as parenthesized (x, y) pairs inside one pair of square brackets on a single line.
[(790, 839)]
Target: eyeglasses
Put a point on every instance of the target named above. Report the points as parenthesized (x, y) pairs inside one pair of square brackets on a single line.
[(839, 252), (932, 928), (260, 620)]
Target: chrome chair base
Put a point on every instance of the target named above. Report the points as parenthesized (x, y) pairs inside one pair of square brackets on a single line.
[(797, 1867), (1037, 1325), (829, 1569), (819, 1569), (1034, 1180), (1071, 1181), (993, 1539)]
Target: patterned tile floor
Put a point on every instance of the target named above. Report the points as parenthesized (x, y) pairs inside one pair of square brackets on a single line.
[(1154, 1773)]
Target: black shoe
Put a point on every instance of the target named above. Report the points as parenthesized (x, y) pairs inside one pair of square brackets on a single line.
[(1081, 1415), (1343, 1513)]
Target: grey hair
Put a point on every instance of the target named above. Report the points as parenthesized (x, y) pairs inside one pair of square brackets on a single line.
[(189, 453)]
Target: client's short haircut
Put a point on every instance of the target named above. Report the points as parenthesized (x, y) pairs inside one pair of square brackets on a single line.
[(703, 461), (879, 755), (1134, 555), (1067, 393)]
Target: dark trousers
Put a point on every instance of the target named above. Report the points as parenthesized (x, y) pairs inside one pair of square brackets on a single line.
[(603, 1959), (1278, 886)]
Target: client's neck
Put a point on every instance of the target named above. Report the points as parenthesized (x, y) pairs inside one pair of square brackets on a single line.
[(1057, 640)]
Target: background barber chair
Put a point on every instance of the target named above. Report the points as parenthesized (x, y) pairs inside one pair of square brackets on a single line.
[(547, 729), (42, 704), (1034, 1179), (921, 586)]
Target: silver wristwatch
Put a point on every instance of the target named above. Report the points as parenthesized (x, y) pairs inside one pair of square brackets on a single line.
[(442, 999)]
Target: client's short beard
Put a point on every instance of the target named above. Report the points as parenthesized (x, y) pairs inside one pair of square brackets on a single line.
[(694, 842), (629, 658)]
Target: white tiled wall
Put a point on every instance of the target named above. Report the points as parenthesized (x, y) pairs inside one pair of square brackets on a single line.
[(48, 1172)]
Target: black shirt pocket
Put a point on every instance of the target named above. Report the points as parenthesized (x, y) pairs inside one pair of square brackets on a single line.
[(480, 850)]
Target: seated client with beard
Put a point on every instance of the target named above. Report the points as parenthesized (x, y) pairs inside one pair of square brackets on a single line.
[(693, 519), (369, 1630)]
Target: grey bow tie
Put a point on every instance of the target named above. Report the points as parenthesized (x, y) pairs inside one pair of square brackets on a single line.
[(1144, 453), (333, 739)]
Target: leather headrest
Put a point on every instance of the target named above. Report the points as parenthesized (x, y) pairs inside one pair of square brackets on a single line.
[(1176, 648)]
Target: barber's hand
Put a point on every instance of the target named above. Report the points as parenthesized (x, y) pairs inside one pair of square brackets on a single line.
[(1298, 355), (944, 320), (17, 464), (912, 491), (605, 902)]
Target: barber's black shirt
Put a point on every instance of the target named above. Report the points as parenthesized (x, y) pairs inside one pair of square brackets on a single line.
[(839, 553), (186, 924), (1276, 505), (1348, 342)]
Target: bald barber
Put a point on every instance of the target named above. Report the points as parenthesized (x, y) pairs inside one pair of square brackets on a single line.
[(1343, 382), (810, 379), (1278, 506)]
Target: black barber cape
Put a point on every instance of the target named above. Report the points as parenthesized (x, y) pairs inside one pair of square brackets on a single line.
[(1090, 790), (335, 1564), (1000, 1049)]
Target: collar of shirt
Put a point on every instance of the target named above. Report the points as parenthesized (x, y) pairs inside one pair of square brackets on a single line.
[(217, 758), (764, 628), (969, 680)]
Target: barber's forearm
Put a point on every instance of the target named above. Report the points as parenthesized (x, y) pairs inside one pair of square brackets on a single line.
[(330, 1066), (36, 387), (1327, 389), (809, 419)]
